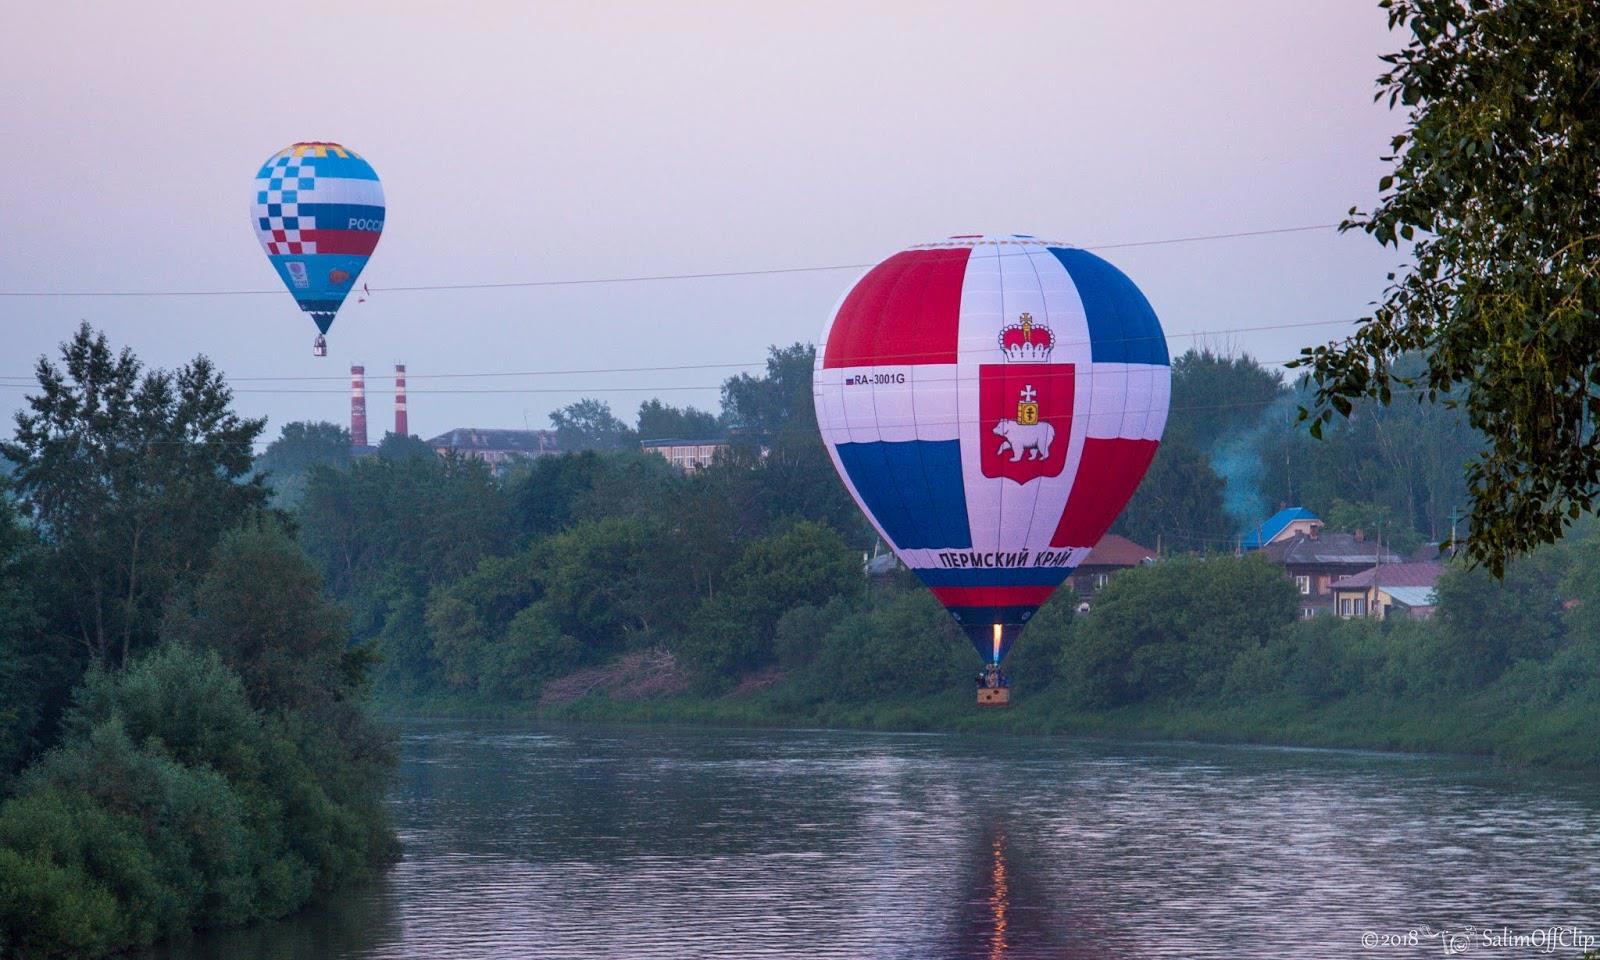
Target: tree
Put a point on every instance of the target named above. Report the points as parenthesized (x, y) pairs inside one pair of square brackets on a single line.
[(660, 421), (808, 563), (777, 403), (429, 520), (303, 444), (35, 667), (552, 493), (1494, 182), (1492, 625), (1174, 628), (1179, 503), (589, 424), (261, 608), (1215, 395), (614, 582), (1374, 520), (171, 804), (131, 479), (394, 446)]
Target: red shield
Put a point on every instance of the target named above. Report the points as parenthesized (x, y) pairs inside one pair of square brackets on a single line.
[(1025, 419)]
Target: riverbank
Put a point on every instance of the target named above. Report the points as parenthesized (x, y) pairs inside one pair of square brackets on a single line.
[(1484, 724)]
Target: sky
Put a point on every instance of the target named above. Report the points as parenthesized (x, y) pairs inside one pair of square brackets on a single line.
[(570, 141)]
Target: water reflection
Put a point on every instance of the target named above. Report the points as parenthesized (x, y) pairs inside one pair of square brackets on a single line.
[(658, 843), (999, 898), (343, 926)]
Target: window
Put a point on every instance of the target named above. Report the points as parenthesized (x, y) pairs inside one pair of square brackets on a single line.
[(1101, 579), (1304, 583)]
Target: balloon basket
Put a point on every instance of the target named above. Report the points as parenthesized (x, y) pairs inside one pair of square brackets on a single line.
[(994, 696)]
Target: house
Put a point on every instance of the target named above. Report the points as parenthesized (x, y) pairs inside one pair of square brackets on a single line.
[(1286, 523), (498, 448), (1315, 560), (1110, 555), (1399, 589), (686, 455)]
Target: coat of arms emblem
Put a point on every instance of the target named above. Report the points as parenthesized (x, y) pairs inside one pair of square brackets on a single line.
[(1025, 405)]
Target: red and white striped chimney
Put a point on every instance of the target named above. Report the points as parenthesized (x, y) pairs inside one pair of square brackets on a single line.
[(401, 428), (358, 405)]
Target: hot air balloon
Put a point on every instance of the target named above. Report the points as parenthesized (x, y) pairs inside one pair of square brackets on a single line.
[(992, 402), (318, 213)]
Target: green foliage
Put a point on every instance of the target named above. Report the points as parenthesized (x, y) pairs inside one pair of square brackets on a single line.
[(1373, 520), (301, 445), (132, 476), (1037, 656), (777, 403), (1493, 625), (611, 583), (589, 424), (552, 493), (1494, 185), (172, 794), (905, 646), (172, 804), (1178, 505), (808, 563), (35, 668), (394, 446), (430, 520), (661, 421), (260, 607), (1174, 628), (1217, 396)]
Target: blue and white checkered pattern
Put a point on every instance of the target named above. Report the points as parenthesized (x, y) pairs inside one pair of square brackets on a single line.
[(278, 189)]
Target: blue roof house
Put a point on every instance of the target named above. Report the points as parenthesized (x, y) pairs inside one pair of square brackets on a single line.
[(1286, 523)]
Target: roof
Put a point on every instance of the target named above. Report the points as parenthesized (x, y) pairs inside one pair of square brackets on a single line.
[(1115, 551), (1393, 575), (490, 438), (1275, 524), (1396, 575), (708, 442), (1336, 549), (1412, 596)]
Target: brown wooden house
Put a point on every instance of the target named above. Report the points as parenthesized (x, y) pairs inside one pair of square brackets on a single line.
[(1110, 555)]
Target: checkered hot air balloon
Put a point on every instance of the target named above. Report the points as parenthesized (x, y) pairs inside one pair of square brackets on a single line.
[(318, 213), (992, 403)]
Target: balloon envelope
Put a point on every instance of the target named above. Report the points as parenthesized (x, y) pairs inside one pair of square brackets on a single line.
[(992, 403), (318, 213)]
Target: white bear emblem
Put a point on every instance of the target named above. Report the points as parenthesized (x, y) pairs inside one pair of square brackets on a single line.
[(1031, 438)]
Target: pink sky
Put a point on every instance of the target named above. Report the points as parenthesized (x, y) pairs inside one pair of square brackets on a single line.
[(585, 140)]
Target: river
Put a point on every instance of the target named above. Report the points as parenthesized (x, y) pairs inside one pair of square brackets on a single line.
[(559, 842)]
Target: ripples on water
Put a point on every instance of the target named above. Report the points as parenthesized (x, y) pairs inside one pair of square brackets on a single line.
[(659, 843)]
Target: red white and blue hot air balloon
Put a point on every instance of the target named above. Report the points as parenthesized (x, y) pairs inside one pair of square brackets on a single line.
[(318, 213), (992, 403)]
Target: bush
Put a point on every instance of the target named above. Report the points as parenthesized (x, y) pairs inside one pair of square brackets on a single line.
[(905, 645), (171, 804), (1174, 628), (805, 564)]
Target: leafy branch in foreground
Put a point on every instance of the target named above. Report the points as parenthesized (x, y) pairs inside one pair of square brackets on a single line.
[(1497, 183)]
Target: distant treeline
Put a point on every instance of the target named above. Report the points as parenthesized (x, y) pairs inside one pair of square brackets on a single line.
[(482, 590), (184, 740)]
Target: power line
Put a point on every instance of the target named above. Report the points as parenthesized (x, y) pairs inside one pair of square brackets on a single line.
[(1170, 409), (647, 278), (890, 358)]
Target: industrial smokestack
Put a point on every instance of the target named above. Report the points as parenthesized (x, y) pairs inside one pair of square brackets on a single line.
[(358, 405), (400, 426)]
